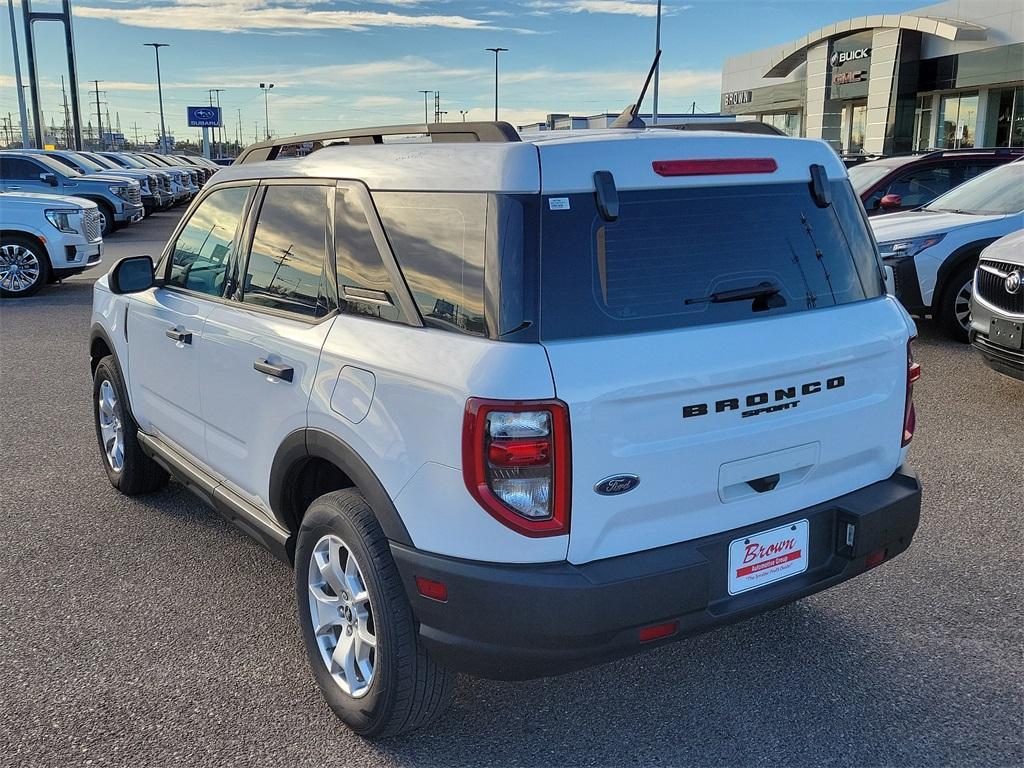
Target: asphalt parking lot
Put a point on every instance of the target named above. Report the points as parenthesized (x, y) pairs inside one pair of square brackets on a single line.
[(149, 632)]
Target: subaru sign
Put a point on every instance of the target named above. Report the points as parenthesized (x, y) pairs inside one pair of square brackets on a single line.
[(204, 117)]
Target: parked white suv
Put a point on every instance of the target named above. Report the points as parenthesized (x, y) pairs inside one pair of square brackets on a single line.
[(516, 407), (934, 250), (45, 238)]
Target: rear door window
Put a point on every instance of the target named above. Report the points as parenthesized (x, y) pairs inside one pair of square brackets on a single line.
[(285, 270), (674, 255)]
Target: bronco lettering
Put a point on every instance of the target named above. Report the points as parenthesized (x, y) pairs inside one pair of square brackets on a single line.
[(784, 398)]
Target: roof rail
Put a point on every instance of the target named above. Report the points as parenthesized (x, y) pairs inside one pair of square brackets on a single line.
[(497, 131), (975, 151)]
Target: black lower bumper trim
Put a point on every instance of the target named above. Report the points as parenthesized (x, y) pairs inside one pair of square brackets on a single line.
[(1009, 362), (523, 621)]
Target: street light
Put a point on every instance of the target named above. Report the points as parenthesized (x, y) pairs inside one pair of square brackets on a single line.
[(426, 120), (160, 93), (463, 112), (265, 87), (496, 52)]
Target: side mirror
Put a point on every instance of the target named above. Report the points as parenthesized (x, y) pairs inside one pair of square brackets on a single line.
[(890, 201), (49, 178), (132, 275)]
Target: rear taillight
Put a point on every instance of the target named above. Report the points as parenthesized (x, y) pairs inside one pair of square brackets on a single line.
[(909, 414), (516, 462)]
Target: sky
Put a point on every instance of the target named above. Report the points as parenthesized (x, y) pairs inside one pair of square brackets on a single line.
[(342, 63)]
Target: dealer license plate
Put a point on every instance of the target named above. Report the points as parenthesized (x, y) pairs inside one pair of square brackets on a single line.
[(1006, 333), (764, 558)]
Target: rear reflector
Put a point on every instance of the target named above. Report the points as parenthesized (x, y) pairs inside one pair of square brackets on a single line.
[(714, 166), (658, 631), (875, 558), (435, 590)]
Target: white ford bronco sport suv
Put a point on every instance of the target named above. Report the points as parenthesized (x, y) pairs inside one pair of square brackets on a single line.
[(512, 407)]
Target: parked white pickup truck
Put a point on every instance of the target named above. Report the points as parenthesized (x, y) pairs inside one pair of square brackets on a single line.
[(45, 238)]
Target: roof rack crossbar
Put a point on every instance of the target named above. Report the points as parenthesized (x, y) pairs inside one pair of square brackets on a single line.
[(497, 131)]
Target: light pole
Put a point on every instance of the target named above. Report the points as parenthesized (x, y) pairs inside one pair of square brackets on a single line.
[(160, 93), (463, 112), (265, 87), (657, 67), (426, 119), (496, 52), (442, 113), (218, 140)]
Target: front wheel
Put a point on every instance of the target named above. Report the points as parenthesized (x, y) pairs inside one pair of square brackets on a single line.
[(24, 267), (357, 625), (954, 309), (129, 469)]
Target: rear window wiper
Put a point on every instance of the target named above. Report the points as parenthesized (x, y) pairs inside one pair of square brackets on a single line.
[(764, 295)]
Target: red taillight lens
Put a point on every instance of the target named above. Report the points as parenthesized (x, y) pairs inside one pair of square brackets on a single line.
[(516, 462), (715, 166), (435, 590), (909, 412)]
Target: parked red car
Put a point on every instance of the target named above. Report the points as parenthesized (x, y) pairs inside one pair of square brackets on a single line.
[(905, 182)]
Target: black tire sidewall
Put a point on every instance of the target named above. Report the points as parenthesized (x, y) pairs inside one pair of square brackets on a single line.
[(369, 714), (44, 265), (946, 319), (108, 214)]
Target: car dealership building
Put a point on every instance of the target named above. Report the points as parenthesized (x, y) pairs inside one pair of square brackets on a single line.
[(949, 75)]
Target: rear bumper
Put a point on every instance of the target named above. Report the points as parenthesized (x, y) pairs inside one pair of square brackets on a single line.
[(524, 621)]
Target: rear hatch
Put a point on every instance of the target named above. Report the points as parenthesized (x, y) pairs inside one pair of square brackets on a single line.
[(728, 411)]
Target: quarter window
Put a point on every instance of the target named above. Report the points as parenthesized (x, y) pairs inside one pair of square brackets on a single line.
[(202, 253), (439, 241), (364, 287), (286, 262)]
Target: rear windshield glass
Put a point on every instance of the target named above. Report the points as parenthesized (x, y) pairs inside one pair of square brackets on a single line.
[(677, 258)]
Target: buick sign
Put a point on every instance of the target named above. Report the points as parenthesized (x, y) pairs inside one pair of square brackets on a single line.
[(839, 58)]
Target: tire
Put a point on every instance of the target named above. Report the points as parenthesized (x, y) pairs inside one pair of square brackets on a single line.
[(107, 223), (129, 470), (24, 266), (955, 302), (401, 688)]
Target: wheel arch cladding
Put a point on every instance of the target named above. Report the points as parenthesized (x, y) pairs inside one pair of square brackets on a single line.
[(956, 260), (312, 462), (99, 347)]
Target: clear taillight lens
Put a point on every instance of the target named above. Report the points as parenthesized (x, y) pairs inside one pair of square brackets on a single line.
[(516, 463)]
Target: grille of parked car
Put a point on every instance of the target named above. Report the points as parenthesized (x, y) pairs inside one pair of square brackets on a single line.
[(992, 286), (135, 196), (93, 229), (154, 182), (165, 183)]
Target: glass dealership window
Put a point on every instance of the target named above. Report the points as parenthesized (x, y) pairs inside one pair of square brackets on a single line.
[(854, 125), (1005, 118), (923, 123), (787, 122), (958, 119)]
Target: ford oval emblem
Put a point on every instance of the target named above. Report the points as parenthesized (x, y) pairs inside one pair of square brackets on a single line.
[(616, 484)]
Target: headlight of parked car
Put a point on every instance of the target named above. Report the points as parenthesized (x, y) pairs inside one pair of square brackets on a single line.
[(64, 219), (898, 250), (121, 190)]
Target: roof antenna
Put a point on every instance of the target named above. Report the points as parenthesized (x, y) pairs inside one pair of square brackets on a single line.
[(630, 115)]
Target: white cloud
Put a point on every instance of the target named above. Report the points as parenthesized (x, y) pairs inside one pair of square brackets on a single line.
[(267, 16), (618, 7)]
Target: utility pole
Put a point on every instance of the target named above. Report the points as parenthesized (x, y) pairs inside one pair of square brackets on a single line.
[(67, 115), (426, 120), (99, 118), (17, 79), (437, 106), (135, 130), (496, 52), (160, 92), (657, 67), (218, 133), (239, 129)]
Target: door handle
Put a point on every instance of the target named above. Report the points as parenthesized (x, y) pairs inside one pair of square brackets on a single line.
[(278, 371), (185, 337)]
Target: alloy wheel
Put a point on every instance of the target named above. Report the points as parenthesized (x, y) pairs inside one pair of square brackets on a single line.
[(342, 616), (962, 304), (19, 268), (111, 426)]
